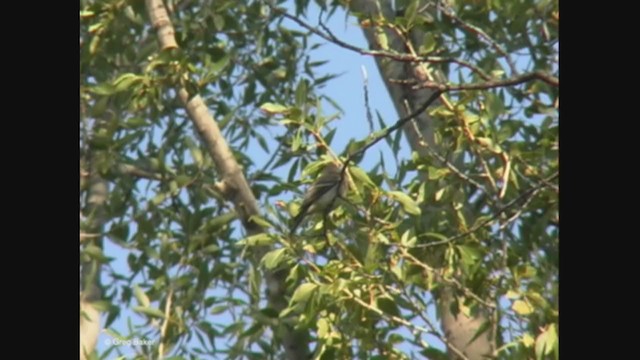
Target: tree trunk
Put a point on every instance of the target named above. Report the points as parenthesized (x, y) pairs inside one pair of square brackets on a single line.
[(460, 329), (90, 268)]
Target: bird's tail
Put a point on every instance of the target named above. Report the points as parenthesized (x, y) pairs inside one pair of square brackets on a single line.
[(298, 220)]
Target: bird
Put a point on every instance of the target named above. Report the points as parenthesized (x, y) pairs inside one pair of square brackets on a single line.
[(330, 185)]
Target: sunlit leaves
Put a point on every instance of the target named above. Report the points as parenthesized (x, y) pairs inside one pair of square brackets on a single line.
[(408, 204), (275, 258), (399, 233), (273, 109), (302, 295), (547, 342)]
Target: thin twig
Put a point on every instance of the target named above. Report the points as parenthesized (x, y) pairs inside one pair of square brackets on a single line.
[(365, 86), (131, 170), (399, 123), (85, 236), (165, 324), (481, 34), (446, 162), (452, 281), (400, 321), (536, 75), (380, 53), (505, 174)]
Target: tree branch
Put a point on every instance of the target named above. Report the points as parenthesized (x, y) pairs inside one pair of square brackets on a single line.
[(447, 11), (329, 36), (239, 192), (399, 123), (536, 75)]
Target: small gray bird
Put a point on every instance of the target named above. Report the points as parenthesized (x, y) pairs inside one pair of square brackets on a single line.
[(322, 193)]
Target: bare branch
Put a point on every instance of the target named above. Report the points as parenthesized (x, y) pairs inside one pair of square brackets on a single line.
[(131, 170), (536, 75), (85, 236), (365, 87), (165, 324), (399, 123)]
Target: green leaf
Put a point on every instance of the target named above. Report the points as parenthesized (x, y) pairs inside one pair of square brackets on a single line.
[(159, 199), (273, 258), (395, 339), (525, 271), (329, 137), (470, 255), (273, 109), (135, 123), (197, 156), (217, 66), (149, 311), (86, 14), (407, 240), (301, 93), (360, 176), (494, 105), (408, 204), (522, 307), (211, 249), (303, 293), (437, 173), (410, 14), (219, 221), (324, 328), (218, 309), (428, 44), (512, 295), (141, 296), (93, 45), (434, 354), (387, 306), (260, 221), (489, 144), (527, 340), (103, 89), (546, 342), (440, 237), (218, 22), (536, 299), (261, 239), (125, 81), (253, 330), (95, 27), (95, 253)]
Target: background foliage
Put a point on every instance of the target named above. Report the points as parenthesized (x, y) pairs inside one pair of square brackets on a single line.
[(479, 214)]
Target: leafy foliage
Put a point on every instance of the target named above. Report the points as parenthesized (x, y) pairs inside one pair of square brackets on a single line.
[(482, 216)]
